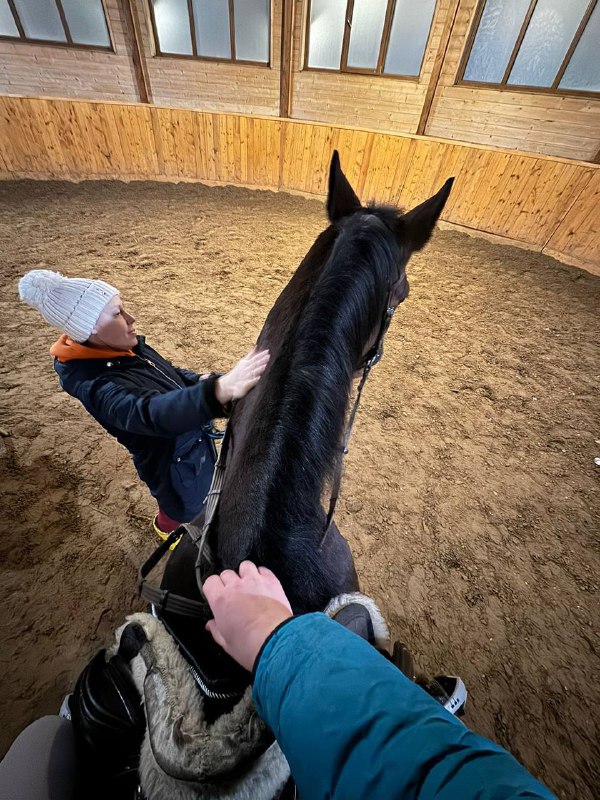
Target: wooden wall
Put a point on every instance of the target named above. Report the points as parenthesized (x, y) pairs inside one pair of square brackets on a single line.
[(211, 85), (387, 104), (36, 69), (33, 69), (532, 122), (539, 123), (546, 204)]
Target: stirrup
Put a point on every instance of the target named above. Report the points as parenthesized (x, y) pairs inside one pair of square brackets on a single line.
[(162, 535), (449, 691), (65, 707)]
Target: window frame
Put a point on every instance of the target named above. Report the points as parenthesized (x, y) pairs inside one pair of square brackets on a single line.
[(22, 38), (193, 56), (503, 86), (344, 69)]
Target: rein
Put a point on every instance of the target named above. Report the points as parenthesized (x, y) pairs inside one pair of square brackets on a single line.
[(165, 600), (372, 358)]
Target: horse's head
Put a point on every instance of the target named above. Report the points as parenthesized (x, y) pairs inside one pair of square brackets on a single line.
[(410, 231), (403, 233)]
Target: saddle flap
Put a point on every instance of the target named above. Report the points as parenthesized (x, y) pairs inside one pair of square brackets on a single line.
[(218, 675)]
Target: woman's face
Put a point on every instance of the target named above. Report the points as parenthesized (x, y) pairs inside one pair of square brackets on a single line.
[(115, 327)]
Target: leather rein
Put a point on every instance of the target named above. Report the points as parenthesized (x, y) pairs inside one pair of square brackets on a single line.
[(165, 600)]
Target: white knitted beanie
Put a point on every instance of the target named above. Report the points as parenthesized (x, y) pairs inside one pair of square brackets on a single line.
[(72, 305)]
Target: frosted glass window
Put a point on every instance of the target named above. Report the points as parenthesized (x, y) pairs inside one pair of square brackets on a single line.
[(86, 22), (496, 36), (327, 22), (368, 19), (583, 72), (173, 26), (40, 20), (211, 20), (8, 25), (408, 37), (549, 34), (252, 30)]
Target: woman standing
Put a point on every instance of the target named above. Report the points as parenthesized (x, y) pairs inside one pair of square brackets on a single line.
[(159, 412)]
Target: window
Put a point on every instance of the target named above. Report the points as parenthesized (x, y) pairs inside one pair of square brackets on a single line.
[(76, 23), (218, 30), (369, 37), (541, 45)]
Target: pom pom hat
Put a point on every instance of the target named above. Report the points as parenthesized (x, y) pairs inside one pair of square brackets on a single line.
[(72, 305)]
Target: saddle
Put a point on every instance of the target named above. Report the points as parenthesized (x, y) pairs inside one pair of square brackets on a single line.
[(153, 720)]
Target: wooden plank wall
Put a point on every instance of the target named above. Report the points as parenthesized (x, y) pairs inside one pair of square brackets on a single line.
[(553, 124), (550, 124), (544, 203), (34, 69), (381, 103), (213, 85)]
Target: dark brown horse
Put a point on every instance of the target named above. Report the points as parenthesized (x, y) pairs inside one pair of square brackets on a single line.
[(285, 436), (284, 442)]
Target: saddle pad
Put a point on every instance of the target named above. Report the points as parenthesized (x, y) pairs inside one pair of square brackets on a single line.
[(184, 755)]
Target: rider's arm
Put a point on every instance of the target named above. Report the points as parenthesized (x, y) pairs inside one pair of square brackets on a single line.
[(352, 726)]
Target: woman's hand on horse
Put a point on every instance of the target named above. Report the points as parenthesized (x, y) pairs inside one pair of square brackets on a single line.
[(247, 606), (236, 383)]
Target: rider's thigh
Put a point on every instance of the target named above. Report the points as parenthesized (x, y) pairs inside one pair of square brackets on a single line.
[(40, 764)]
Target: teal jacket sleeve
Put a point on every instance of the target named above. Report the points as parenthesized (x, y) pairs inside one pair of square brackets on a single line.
[(354, 728), (153, 413)]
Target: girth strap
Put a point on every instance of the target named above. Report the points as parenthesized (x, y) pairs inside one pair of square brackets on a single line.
[(163, 599)]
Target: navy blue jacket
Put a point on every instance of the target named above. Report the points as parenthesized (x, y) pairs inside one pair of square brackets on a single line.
[(352, 727), (159, 413)]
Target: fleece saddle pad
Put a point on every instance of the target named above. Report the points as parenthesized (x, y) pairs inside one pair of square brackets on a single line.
[(143, 717)]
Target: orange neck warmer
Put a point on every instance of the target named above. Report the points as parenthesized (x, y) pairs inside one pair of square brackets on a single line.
[(65, 349)]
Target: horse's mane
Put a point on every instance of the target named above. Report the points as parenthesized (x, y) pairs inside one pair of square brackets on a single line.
[(270, 508)]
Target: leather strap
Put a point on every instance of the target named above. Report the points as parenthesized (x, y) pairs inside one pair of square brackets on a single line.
[(373, 357), (165, 600)]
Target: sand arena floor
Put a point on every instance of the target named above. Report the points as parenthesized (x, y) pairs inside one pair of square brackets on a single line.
[(470, 499)]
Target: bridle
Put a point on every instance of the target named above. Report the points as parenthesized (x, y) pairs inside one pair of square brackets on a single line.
[(372, 357), (165, 600)]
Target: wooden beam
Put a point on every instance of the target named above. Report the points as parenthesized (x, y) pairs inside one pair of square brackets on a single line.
[(134, 35), (231, 29), (63, 19), (347, 32), (287, 55), (574, 43), (385, 38), (16, 19), (519, 42), (437, 67)]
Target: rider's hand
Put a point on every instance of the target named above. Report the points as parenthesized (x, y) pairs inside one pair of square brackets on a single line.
[(246, 373), (247, 607)]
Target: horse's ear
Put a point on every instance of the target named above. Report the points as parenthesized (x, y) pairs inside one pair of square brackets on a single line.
[(415, 227), (341, 200)]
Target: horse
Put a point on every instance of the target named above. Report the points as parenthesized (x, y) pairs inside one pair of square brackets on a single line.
[(284, 445), (285, 436)]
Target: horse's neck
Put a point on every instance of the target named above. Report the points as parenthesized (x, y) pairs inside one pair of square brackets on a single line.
[(286, 434), (283, 444)]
